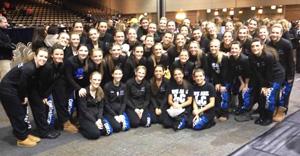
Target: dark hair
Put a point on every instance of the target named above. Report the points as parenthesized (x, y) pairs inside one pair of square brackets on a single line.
[(52, 30), (153, 85), (101, 65), (236, 42), (185, 82), (86, 60), (109, 59), (38, 37), (198, 70), (266, 49)]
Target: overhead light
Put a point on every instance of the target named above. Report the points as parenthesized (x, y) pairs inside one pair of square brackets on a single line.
[(224, 9), (216, 13), (273, 7), (145, 14), (253, 8), (208, 10), (260, 11), (231, 12), (240, 12), (180, 16), (279, 10)]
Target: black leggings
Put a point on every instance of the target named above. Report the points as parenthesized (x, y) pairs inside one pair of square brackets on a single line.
[(90, 131), (134, 119), (156, 118)]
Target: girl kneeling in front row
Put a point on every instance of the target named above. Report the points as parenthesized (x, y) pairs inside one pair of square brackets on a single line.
[(180, 95), (92, 124), (203, 103)]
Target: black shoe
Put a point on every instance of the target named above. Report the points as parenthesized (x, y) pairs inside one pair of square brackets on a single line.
[(237, 111), (245, 116), (51, 135), (258, 121), (266, 122)]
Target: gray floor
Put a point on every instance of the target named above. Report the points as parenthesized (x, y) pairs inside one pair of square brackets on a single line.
[(220, 140)]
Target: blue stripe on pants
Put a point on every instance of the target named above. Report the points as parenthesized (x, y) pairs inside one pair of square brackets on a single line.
[(225, 96), (246, 98), (286, 91), (271, 97), (50, 118), (198, 124)]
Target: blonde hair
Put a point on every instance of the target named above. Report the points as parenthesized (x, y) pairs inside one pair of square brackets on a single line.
[(99, 92)]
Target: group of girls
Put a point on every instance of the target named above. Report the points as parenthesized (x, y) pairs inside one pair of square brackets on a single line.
[(122, 87)]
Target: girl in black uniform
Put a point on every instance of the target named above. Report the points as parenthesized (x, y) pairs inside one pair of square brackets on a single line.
[(91, 120), (203, 104), (157, 58), (253, 24), (270, 75), (136, 59), (138, 90), (186, 65), (116, 101), (14, 96), (242, 82), (212, 32), (114, 59), (180, 95), (201, 39), (78, 28), (143, 29), (97, 63), (245, 39), (198, 57), (218, 64), (76, 70), (159, 86)]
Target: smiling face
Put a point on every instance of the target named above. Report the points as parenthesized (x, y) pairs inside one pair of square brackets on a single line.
[(243, 34), (117, 75), (263, 33), (227, 38), (131, 35), (58, 56), (41, 58), (78, 28), (152, 28), (180, 40), (162, 24), (199, 77), (235, 50), (229, 26), (138, 52), (252, 26), (276, 34), (184, 56), (149, 41), (197, 34), (178, 76), (214, 47), (145, 24), (115, 51), (167, 38), (211, 28), (186, 22), (95, 80), (119, 37), (256, 48), (184, 31), (140, 74), (158, 50), (159, 72), (75, 40), (83, 52), (193, 48), (171, 26), (63, 39), (97, 56), (94, 35)]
